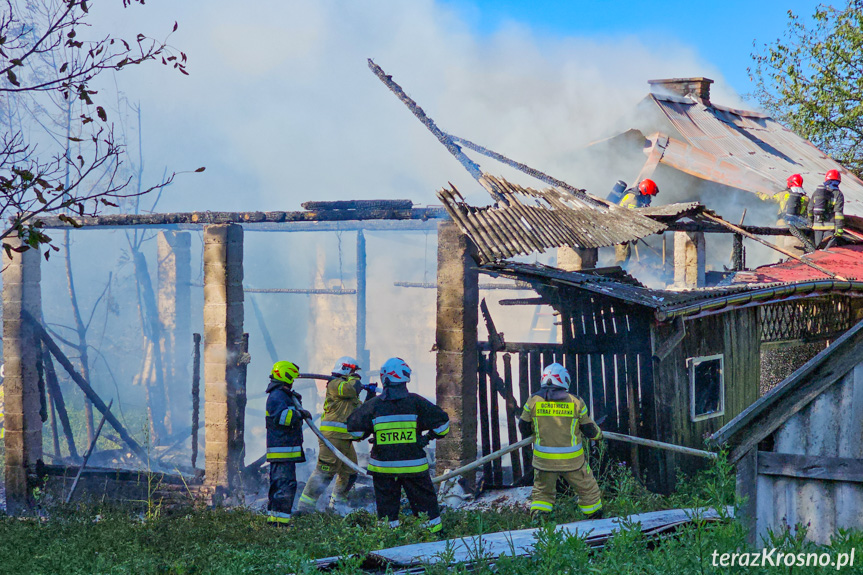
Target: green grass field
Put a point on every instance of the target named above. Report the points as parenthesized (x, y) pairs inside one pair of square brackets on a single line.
[(105, 539)]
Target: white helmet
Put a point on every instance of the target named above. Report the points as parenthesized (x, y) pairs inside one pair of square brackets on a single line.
[(394, 371), (346, 366), (555, 374)]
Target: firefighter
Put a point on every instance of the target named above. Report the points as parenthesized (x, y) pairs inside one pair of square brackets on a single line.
[(793, 206), (284, 440), (397, 420), (827, 209), (639, 197), (342, 399), (559, 421)]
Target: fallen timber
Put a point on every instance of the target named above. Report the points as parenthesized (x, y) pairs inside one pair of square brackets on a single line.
[(85, 387), (520, 543)]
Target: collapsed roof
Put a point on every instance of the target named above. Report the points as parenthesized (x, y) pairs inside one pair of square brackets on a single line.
[(525, 220), (665, 304), (677, 125)]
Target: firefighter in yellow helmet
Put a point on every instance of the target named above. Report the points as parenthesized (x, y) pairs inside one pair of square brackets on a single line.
[(284, 440), (559, 422), (342, 399)]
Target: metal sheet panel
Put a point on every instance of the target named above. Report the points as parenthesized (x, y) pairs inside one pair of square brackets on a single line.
[(753, 143), (528, 220)]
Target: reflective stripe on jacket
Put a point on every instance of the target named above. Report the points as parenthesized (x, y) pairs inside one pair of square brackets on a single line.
[(284, 427), (556, 417), (635, 199), (398, 425), (342, 399), (827, 209)]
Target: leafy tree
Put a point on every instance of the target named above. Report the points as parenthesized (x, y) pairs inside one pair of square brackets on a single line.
[(45, 53), (812, 80)]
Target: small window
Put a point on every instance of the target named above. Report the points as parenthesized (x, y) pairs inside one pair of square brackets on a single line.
[(706, 387)]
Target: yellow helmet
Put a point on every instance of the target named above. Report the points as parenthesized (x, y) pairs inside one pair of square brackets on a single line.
[(285, 371)]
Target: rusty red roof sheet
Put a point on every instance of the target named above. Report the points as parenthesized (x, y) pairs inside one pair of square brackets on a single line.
[(844, 261)]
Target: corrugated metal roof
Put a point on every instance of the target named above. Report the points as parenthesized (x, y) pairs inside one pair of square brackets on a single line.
[(670, 304), (526, 220), (757, 143), (844, 261)]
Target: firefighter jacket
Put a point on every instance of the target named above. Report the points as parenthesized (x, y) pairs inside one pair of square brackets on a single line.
[(827, 209), (635, 199), (397, 419), (284, 425), (342, 399), (558, 421)]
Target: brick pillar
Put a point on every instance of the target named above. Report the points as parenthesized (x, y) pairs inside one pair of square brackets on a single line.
[(21, 292), (225, 393), (573, 260), (688, 259), (175, 317), (456, 337)]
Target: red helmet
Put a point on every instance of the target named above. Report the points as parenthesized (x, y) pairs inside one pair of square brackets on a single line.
[(795, 181), (648, 187), (833, 175)]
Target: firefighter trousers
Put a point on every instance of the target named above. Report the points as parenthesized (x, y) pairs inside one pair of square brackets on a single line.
[(330, 466), (421, 497), (581, 480), (283, 488)]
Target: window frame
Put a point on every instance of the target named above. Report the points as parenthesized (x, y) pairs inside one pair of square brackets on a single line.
[(691, 363)]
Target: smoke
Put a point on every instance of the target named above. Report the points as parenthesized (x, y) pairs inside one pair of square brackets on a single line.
[(281, 108)]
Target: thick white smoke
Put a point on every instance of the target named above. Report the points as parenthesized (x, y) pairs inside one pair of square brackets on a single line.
[(281, 108)]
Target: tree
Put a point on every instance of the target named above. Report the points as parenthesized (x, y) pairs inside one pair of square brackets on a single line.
[(43, 53), (812, 80)]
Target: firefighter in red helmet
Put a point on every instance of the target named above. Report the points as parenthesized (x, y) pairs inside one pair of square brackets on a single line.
[(827, 210), (637, 197), (793, 205)]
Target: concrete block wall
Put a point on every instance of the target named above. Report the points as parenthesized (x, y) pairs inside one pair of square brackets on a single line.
[(689, 259), (23, 439), (225, 395), (573, 260), (456, 339)]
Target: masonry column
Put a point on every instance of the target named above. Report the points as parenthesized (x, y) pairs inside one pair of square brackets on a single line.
[(175, 293), (456, 338), (23, 440), (688, 259), (223, 338), (573, 260)]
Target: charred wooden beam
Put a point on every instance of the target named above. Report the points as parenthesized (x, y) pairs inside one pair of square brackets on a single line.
[(85, 387), (359, 205), (204, 218), (495, 338), (525, 301), (709, 228)]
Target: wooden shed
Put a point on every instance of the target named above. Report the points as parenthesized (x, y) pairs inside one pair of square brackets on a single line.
[(799, 448), (664, 365)]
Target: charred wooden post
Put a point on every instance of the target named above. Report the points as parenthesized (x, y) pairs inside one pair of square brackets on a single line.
[(196, 397), (174, 303), (573, 260), (689, 259), (738, 254), (362, 352), (57, 402), (456, 343), (223, 341), (23, 439)]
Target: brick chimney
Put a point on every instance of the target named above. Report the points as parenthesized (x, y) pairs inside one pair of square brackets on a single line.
[(698, 88)]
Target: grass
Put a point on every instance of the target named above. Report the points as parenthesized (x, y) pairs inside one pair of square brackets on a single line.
[(115, 540)]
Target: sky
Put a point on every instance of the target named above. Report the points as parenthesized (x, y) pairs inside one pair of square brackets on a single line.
[(720, 32), (281, 107)]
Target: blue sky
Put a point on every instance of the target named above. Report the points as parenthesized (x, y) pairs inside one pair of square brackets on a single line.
[(720, 32)]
